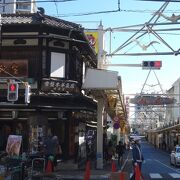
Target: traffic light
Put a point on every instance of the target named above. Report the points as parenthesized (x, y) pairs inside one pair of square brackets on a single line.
[(151, 64), (12, 94), (27, 93)]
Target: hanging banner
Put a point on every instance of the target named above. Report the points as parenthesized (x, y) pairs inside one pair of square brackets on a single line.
[(112, 101), (152, 100), (93, 40)]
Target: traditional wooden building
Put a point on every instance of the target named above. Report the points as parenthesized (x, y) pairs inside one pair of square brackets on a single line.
[(51, 55)]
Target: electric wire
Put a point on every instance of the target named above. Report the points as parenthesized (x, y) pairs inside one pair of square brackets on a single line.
[(55, 2), (38, 1), (91, 13), (6, 72), (161, 0)]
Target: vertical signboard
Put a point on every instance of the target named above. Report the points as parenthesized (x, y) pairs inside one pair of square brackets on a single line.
[(93, 40)]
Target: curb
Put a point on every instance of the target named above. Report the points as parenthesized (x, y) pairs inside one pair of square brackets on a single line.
[(80, 177)]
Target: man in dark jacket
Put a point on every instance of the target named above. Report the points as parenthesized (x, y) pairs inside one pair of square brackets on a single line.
[(136, 155), (120, 151)]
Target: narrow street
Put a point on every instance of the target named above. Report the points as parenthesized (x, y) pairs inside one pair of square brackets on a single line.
[(156, 164)]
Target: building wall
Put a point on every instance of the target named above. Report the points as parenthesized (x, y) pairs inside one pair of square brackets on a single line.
[(172, 114), (10, 6)]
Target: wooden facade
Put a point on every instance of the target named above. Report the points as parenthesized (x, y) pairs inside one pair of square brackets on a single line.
[(30, 45)]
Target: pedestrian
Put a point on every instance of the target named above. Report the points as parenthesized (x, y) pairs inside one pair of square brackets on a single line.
[(111, 151), (50, 148), (57, 150), (120, 148), (136, 155)]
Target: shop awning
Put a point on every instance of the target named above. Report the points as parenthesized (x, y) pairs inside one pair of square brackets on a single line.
[(57, 102), (107, 85)]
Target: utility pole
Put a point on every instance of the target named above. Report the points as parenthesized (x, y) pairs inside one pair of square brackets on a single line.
[(100, 104)]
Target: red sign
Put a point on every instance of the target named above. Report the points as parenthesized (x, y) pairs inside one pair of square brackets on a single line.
[(12, 87), (116, 119), (152, 100)]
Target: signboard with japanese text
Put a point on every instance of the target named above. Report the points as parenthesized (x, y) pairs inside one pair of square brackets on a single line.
[(51, 85), (11, 67)]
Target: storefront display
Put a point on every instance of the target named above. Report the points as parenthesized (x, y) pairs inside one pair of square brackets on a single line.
[(36, 138), (14, 145)]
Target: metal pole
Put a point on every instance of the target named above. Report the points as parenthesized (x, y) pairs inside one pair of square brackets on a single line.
[(127, 65), (145, 81), (99, 154), (100, 104)]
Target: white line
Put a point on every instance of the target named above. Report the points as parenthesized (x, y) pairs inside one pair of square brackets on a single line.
[(175, 175), (131, 174), (167, 166), (155, 175)]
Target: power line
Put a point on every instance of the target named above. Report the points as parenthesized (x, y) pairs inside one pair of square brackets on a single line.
[(162, 0), (92, 13), (88, 13), (43, 1)]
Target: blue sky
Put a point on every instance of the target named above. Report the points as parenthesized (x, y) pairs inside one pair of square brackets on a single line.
[(132, 12)]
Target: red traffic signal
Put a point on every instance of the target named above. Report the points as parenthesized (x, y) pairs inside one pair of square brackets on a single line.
[(12, 87), (151, 64), (12, 94)]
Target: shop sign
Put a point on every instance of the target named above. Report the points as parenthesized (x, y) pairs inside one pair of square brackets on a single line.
[(11, 67), (51, 85)]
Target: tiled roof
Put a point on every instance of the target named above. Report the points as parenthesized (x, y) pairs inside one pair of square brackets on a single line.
[(38, 18)]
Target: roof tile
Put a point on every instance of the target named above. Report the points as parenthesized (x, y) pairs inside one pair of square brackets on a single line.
[(38, 18)]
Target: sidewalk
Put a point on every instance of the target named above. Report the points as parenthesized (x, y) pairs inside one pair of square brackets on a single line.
[(95, 174)]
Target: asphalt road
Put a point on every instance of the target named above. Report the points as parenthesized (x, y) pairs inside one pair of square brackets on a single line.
[(156, 164)]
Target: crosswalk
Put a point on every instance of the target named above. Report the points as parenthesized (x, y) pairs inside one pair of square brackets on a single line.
[(149, 176), (161, 175)]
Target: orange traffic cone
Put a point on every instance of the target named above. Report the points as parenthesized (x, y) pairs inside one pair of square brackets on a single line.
[(113, 166), (87, 171), (49, 167), (121, 176), (137, 173)]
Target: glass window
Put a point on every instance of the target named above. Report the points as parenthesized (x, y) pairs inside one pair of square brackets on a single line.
[(57, 65)]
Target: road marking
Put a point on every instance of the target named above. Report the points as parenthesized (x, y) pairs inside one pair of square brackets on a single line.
[(167, 166), (155, 175), (175, 175), (131, 174)]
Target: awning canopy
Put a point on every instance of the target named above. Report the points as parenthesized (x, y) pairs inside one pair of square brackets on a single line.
[(55, 102), (107, 85)]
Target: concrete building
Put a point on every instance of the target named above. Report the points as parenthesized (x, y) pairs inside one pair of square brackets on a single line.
[(17, 6), (173, 113)]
